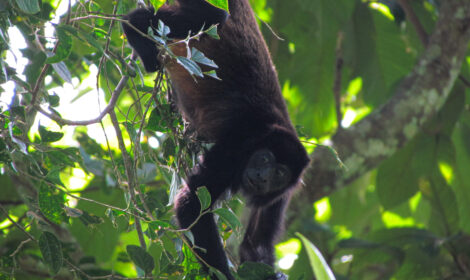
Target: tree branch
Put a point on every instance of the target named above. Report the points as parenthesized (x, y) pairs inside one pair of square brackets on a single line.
[(112, 102), (365, 145)]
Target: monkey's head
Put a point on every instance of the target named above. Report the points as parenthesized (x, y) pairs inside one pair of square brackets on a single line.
[(274, 166)]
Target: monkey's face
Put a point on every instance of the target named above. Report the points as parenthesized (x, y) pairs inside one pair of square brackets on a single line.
[(263, 174)]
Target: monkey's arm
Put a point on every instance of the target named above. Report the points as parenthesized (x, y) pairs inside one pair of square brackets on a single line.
[(181, 20)]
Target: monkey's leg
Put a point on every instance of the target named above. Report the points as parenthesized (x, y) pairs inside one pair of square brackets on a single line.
[(205, 231), (264, 226), (216, 174)]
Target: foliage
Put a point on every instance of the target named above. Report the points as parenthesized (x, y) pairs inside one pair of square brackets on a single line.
[(87, 187)]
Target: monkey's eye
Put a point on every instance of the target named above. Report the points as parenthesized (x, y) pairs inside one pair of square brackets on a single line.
[(280, 172)]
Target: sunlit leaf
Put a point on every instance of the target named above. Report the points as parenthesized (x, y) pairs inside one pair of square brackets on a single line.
[(320, 267), (222, 4), (49, 136), (212, 74), (157, 3), (50, 203)]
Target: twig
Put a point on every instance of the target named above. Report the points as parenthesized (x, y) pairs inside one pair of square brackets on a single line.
[(110, 276), (16, 224), (97, 202), (129, 167), (11, 202), (18, 249), (112, 102), (270, 28), (195, 221), (100, 17), (422, 34)]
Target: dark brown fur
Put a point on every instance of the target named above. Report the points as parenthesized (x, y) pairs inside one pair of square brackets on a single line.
[(242, 113)]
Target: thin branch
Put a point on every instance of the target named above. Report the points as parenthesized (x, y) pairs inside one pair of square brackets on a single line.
[(18, 249), (422, 34), (16, 224), (131, 179), (114, 18), (11, 202), (97, 202), (112, 103), (195, 221)]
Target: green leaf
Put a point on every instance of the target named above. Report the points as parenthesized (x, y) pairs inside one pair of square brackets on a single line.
[(162, 30), (190, 66), (4, 153), (169, 246), (255, 271), (320, 267), (49, 136), (222, 4), (83, 36), (141, 258), (204, 197), (156, 122), (396, 179), (90, 219), (229, 217), (356, 243), (199, 57), (212, 74), (212, 31), (53, 100), (190, 236), (28, 6), (157, 3), (217, 273), (64, 48), (445, 214), (51, 251), (155, 226), (462, 184), (50, 203), (123, 7), (169, 147), (63, 72)]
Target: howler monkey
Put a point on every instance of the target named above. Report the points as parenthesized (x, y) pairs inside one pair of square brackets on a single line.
[(256, 149)]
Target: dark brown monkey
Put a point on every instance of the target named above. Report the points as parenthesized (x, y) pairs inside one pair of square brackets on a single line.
[(256, 147)]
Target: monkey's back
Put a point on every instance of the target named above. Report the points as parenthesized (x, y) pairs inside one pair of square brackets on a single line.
[(248, 93)]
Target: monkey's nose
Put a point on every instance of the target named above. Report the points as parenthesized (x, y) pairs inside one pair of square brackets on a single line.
[(263, 175)]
